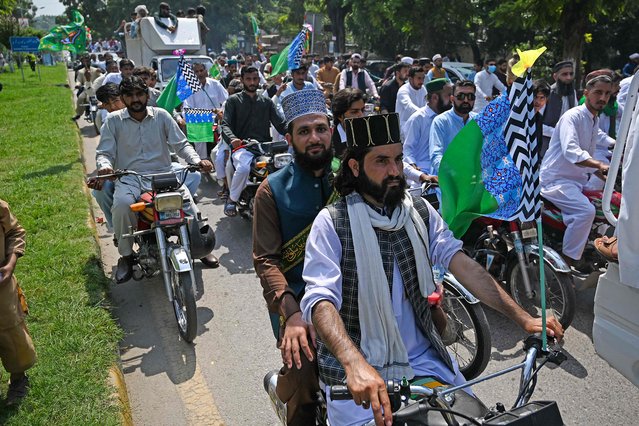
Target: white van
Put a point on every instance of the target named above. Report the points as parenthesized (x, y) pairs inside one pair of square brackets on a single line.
[(615, 330)]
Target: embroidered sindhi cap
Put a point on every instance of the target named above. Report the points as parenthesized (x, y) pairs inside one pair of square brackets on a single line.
[(372, 131), (303, 102)]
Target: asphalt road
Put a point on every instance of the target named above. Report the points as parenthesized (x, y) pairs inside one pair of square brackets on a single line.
[(218, 379)]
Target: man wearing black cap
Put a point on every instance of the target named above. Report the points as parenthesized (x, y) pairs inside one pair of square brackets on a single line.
[(368, 274), (562, 98), (285, 205)]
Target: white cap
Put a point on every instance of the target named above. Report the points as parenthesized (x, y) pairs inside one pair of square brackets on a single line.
[(356, 56), (634, 56), (407, 60), (140, 8), (436, 57)]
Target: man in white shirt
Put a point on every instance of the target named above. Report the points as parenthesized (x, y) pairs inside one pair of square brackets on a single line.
[(569, 162), (416, 143), (126, 70), (485, 81), (562, 97), (357, 78), (211, 96), (411, 96)]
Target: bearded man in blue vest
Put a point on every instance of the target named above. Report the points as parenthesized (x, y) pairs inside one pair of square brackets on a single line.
[(368, 273), (285, 205)]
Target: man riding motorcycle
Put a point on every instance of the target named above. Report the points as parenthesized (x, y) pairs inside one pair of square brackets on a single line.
[(137, 138), (568, 163), (247, 115), (85, 78)]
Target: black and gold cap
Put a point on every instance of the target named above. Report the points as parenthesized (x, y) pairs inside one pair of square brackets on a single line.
[(372, 131)]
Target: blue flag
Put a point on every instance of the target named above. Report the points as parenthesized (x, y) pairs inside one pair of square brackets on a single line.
[(183, 84)]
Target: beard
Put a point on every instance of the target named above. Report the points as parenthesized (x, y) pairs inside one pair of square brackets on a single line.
[(313, 163), (390, 197), (441, 106), (136, 107), (564, 89), (463, 108)]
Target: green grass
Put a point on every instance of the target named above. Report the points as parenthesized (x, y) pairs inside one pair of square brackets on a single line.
[(41, 177)]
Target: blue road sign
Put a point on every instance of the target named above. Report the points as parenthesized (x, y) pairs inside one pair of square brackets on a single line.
[(24, 44)]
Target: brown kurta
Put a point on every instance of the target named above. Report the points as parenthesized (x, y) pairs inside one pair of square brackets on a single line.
[(16, 348), (12, 240), (267, 255)]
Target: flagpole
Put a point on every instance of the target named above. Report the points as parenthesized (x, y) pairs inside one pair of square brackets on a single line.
[(542, 277)]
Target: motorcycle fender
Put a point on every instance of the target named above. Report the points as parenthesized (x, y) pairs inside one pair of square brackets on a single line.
[(450, 279), (179, 259), (551, 257)]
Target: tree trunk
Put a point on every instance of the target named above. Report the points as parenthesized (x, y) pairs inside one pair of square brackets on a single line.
[(337, 14), (574, 22)]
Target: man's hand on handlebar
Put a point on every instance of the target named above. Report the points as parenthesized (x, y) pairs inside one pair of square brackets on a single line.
[(236, 143), (95, 183), (428, 178), (369, 390), (206, 165), (553, 328), (295, 341)]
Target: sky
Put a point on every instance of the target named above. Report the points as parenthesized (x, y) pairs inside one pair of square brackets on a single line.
[(51, 7)]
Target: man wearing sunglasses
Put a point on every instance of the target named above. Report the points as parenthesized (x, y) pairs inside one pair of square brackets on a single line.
[(446, 125)]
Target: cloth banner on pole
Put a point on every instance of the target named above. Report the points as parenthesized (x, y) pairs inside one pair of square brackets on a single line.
[(199, 124), (182, 85)]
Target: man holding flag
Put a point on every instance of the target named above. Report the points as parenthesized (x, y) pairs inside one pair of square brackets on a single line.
[(199, 110)]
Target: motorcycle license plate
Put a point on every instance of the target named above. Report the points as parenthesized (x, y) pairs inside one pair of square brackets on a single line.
[(529, 233), (173, 214)]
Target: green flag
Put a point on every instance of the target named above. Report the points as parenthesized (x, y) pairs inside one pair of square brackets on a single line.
[(71, 37), (214, 72), (279, 61), (169, 99), (464, 197), (256, 28), (477, 175)]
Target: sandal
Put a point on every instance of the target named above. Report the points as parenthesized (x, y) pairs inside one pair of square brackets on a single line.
[(223, 194), (607, 247), (230, 209)]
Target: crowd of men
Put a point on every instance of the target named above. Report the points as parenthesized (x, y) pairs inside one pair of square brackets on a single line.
[(329, 245)]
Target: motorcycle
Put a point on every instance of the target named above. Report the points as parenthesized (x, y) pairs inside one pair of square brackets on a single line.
[(554, 229), (91, 112), (509, 251), (168, 240), (268, 157), (432, 404)]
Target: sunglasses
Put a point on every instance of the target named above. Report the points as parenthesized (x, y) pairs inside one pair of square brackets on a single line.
[(462, 96)]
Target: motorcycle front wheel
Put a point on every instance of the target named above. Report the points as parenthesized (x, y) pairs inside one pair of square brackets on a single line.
[(184, 304), (467, 333), (560, 294)]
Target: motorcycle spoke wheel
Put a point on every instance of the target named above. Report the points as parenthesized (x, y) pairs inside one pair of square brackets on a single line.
[(471, 343), (184, 305), (560, 294)]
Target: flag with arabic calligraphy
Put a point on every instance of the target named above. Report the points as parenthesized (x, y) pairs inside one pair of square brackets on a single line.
[(71, 37)]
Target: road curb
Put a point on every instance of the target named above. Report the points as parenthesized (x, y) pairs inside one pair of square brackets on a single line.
[(121, 395)]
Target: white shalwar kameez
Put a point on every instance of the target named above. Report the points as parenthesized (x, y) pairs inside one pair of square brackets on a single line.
[(562, 180)]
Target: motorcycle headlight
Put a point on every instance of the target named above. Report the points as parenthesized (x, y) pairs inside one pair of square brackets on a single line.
[(168, 201), (281, 160)]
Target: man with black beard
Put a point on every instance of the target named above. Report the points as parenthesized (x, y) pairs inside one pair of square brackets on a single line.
[(417, 129), (562, 97), (368, 276), (285, 205), (446, 125)]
